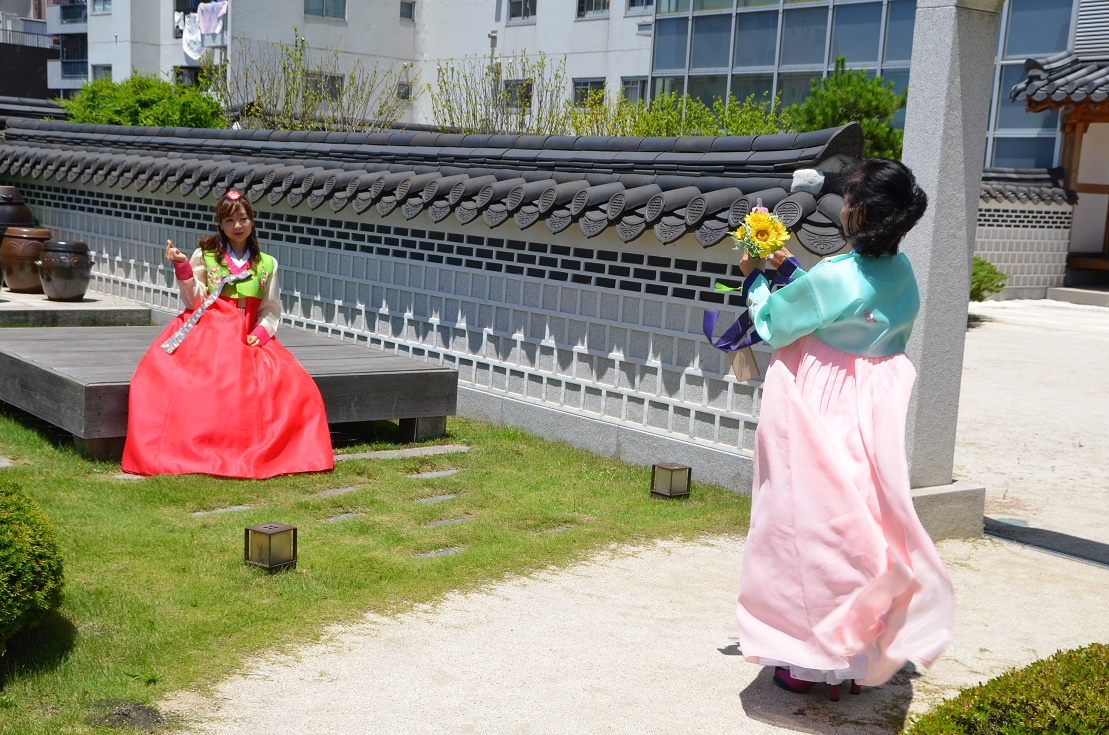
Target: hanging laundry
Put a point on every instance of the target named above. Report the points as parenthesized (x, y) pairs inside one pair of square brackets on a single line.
[(209, 18), (190, 39)]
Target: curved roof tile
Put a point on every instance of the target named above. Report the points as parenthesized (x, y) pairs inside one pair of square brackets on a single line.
[(673, 186)]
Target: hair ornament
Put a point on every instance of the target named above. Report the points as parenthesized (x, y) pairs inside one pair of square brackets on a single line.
[(233, 195)]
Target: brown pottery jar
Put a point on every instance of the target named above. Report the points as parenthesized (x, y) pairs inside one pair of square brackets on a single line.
[(65, 270), (22, 246), (13, 212)]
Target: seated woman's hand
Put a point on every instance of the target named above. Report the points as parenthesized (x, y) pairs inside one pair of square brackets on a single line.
[(174, 255), (252, 340), (778, 257)]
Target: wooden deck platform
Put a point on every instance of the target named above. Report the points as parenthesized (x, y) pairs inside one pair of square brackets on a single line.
[(78, 378)]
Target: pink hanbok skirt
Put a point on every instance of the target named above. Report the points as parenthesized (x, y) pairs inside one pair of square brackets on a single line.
[(840, 580)]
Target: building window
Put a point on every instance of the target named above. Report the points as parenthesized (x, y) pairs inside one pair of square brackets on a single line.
[(756, 39), (186, 76), (803, 33), (634, 5), (1037, 28), (407, 11), (712, 5), (517, 93), (670, 43), (592, 8), (708, 89), (101, 71), (1024, 152), (665, 7), (900, 18), (588, 90), (758, 86), (320, 87), (855, 32), (404, 90), (521, 9), (326, 8), (634, 89), (101, 6), (710, 46)]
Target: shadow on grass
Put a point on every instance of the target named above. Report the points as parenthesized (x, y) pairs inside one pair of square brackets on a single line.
[(49, 433), (39, 648), (876, 711), (359, 433)]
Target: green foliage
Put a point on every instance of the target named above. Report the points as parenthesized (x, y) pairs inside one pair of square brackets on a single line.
[(519, 94), (473, 95), (30, 563), (1066, 694), (985, 279), (159, 600), (143, 100), (282, 86), (848, 96)]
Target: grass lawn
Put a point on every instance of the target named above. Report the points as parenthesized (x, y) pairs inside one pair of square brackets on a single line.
[(158, 599)]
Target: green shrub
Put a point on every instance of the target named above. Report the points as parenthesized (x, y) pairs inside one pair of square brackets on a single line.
[(849, 96), (985, 279), (143, 100), (1066, 694), (30, 563)]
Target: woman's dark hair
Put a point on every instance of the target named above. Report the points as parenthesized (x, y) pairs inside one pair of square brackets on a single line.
[(883, 203), (217, 243)]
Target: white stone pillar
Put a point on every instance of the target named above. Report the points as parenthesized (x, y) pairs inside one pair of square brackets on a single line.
[(954, 42)]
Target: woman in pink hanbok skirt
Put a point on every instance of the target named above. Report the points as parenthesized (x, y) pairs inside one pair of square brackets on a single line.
[(840, 582)]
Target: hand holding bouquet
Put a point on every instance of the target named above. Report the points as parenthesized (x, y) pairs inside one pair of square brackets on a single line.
[(761, 233)]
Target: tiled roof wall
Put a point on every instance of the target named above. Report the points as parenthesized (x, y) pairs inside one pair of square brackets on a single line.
[(1061, 80), (671, 186)]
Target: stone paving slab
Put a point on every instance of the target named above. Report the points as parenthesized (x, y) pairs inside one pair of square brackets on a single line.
[(449, 522), (344, 517), (436, 499), (336, 491), (439, 552), (5, 462), (404, 453), (434, 475), (215, 511)]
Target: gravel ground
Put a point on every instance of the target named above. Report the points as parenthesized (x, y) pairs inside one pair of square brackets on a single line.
[(643, 640)]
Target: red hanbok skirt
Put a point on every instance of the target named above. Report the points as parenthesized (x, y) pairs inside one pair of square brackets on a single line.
[(217, 406)]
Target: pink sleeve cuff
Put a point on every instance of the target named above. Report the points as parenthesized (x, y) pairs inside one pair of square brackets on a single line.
[(184, 270), (261, 333)]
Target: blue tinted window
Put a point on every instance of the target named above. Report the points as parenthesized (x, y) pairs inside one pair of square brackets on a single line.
[(899, 30), (855, 32), (673, 6), (707, 89), (711, 34), (757, 85), (804, 31), (900, 79), (1013, 115), (1024, 152), (1037, 27), (670, 43), (795, 88), (668, 85), (756, 37)]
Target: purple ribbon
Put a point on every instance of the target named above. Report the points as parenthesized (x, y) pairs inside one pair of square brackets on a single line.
[(742, 332)]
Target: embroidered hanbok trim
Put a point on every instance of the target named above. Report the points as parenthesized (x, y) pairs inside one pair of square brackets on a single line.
[(178, 337)]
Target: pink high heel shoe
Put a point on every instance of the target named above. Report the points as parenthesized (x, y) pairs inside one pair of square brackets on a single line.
[(784, 680)]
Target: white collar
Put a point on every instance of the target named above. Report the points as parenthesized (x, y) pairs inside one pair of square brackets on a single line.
[(239, 262)]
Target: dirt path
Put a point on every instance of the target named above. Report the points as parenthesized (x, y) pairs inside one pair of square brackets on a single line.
[(644, 640)]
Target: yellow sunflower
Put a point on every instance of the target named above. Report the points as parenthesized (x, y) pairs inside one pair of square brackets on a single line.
[(764, 234)]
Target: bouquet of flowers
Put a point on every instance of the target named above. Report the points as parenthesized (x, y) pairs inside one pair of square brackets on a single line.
[(761, 233)]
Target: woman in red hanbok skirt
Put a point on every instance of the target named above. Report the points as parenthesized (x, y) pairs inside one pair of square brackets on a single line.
[(216, 394)]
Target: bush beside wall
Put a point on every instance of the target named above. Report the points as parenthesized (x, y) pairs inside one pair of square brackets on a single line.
[(30, 563)]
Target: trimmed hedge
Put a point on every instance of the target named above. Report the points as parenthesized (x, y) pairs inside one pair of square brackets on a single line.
[(1065, 694), (30, 563)]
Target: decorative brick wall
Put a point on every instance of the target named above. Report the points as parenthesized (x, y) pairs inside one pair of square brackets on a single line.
[(1027, 241), (595, 342)]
